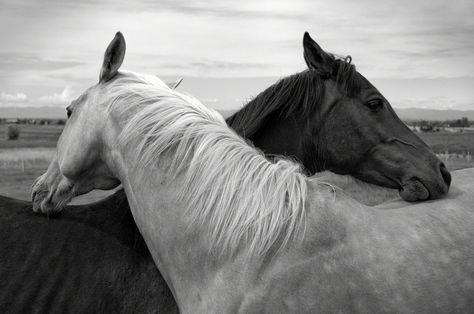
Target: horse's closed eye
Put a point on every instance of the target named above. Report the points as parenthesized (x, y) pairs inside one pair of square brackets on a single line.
[(375, 104)]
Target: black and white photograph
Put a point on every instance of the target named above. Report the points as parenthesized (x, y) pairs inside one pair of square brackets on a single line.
[(301, 156)]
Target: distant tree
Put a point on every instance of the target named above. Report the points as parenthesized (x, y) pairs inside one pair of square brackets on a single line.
[(13, 132), (461, 123), (426, 126)]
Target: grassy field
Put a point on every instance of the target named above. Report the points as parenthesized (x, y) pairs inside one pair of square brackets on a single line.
[(457, 143), (23, 160), (32, 136)]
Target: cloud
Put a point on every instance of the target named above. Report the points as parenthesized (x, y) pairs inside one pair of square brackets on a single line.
[(242, 9), (57, 99), (395, 39), (437, 102), (22, 100), (209, 8), (13, 98), (30, 61)]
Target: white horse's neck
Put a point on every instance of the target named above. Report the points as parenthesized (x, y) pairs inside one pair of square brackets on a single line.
[(161, 219), (182, 255), (162, 222)]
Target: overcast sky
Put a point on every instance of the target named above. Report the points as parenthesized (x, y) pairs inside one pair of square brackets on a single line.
[(420, 52)]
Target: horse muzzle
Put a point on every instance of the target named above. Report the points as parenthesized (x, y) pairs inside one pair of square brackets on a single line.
[(417, 174), (50, 200), (427, 187)]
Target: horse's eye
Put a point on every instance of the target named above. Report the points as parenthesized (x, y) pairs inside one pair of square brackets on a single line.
[(375, 104), (68, 112)]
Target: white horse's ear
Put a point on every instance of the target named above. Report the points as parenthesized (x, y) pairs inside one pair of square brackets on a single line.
[(316, 58), (113, 58)]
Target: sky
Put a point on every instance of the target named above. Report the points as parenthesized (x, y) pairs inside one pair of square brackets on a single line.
[(418, 53)]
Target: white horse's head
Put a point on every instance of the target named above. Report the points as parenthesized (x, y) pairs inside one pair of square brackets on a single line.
[(79, 165)]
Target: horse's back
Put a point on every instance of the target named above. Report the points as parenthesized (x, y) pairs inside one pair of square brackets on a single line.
[(89, 259), (415, 258)]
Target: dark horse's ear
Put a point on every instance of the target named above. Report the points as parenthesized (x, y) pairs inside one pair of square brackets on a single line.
[(315, 57), (113, 58)]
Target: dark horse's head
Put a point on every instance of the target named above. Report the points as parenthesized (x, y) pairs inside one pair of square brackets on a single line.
[(331, 118)]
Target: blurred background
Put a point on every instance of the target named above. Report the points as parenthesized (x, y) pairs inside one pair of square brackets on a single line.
[(419, 54)]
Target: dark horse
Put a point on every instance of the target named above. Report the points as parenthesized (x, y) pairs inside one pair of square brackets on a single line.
[(92, 258), (331, 118)]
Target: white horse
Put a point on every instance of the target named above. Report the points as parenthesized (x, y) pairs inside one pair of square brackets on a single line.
[(233, 232)]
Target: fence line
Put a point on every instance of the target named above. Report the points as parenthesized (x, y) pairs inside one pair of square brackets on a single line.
[(467, 156)]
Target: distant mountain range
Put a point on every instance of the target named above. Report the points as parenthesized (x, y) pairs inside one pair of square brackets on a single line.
[(403, 113), (433, 114)]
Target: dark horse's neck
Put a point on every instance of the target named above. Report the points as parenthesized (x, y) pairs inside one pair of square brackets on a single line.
[(283, 119)]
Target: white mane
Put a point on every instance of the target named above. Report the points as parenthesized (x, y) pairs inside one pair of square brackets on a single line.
[(232, 190)]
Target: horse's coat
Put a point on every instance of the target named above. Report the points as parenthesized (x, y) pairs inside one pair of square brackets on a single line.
[(351, 258), (90, 259)]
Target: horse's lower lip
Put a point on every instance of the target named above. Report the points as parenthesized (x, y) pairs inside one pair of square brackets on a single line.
[(41, 203), (35, 202), (414, 190), (396, 184), (33, 195), (37, 205)]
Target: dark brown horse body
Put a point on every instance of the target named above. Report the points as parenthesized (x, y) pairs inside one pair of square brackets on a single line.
[(90, 259), (93, 259)]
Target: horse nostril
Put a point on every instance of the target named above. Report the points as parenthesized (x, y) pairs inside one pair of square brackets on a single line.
[(446, 175)]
